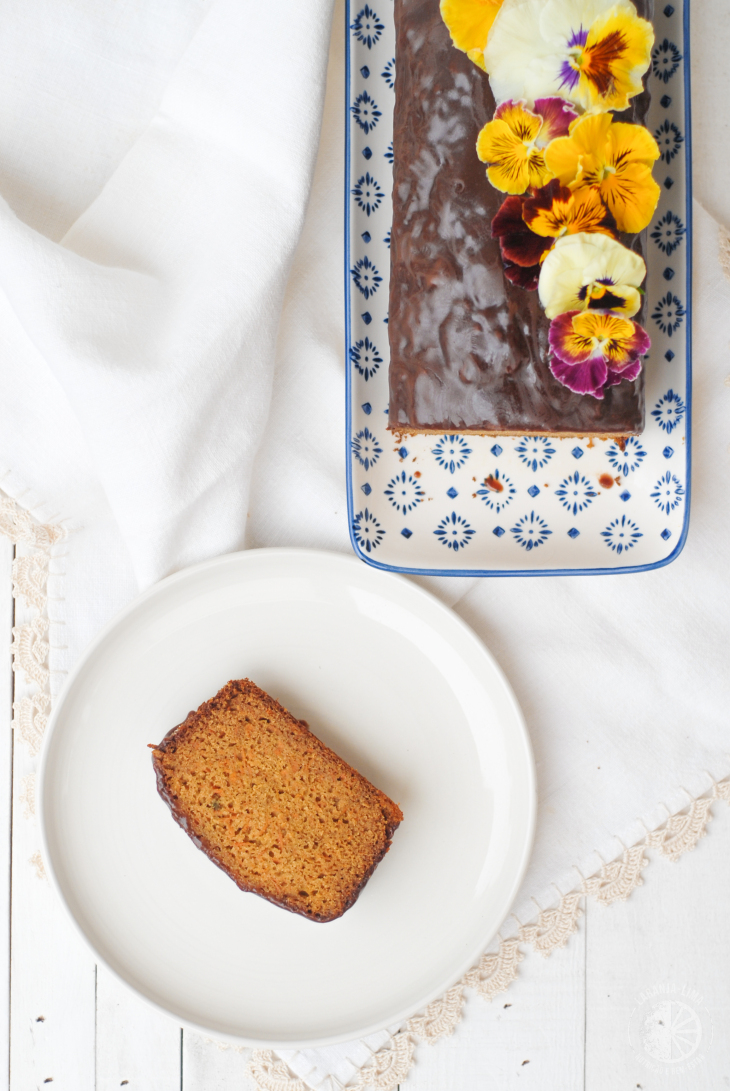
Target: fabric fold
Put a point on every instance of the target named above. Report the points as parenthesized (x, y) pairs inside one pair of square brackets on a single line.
[(158, 312)]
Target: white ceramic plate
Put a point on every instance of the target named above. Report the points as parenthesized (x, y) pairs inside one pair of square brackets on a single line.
[(389, 678)]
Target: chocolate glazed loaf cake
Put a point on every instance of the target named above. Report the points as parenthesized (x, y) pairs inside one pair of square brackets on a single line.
[(468, 349)]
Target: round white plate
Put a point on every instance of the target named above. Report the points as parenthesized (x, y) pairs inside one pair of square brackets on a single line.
[(389, 678)]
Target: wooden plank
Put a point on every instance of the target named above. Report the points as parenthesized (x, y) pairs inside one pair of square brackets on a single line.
[(207, 1066), (669, 941), (136, 1047), (529, 1037), (6, 784), (52, 974)]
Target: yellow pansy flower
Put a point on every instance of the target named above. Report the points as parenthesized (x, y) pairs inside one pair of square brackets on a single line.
[(469, 23), (590, 351), (513, 143), (615, 159), (556, 211)]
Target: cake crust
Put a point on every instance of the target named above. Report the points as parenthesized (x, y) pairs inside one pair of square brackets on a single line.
[(278, 811)]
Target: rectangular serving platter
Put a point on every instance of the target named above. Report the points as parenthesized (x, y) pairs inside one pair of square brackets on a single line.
[(427, 504)]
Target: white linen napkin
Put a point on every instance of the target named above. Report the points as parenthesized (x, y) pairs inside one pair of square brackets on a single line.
[(149, 230), (157, 312)]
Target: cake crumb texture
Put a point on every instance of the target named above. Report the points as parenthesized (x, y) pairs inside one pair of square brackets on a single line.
[(271, 805)]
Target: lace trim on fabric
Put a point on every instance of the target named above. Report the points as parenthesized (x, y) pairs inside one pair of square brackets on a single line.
[(29, 647), (494, 972)]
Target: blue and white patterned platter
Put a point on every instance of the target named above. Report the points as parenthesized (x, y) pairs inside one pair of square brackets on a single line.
[(420, 503)]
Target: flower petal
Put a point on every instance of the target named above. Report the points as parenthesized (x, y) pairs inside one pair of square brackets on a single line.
[(522, 122), (556, 211), (591, 271), (508, 219), (517, 243), (507, 145), (631, 142), (588, 137), (616, 55), (521, 276), (557, 116), (632, 195), (571, 345), (592, 52), (581, 341), (588, 377), (629, 373), (520, 62), (614, 158), (469, 23)]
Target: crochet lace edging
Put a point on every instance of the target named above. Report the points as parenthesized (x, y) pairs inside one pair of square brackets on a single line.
[(496, 970), (29, 646)]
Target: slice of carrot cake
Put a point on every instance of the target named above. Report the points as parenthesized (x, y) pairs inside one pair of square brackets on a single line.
[(271, 805)]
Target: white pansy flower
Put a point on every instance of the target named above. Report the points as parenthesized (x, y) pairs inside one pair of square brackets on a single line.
[(591, 272), (593, 52)]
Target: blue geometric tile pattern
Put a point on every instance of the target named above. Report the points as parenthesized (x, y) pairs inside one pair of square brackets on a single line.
[(454, 532), (365, 357), (366, 448), (530, 531), (668, 233), (665, 60), (496, 491), (535, 451), (629, 459), (576, 492), (368, 194), (367, 530), (366, 112), (367, 27), (451, 452), (366, 277), (669, 139), (669, 314), (404, 492), (668, 492), (621, 534), (668, 411)]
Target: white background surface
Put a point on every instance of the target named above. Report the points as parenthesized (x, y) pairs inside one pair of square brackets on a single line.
[(563, 1025)]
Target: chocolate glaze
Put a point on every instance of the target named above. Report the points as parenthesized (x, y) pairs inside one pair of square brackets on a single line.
[(468, 350)]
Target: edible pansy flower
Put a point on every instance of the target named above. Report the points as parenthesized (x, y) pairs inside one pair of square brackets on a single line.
[(556, 211), (513, 143), (593, 52), (527, 227), (591, 351), (591, 272), (469, 23), (522, 250), (613, 158)]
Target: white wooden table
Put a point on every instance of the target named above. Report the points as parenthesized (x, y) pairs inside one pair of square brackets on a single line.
[(563, 1025)]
